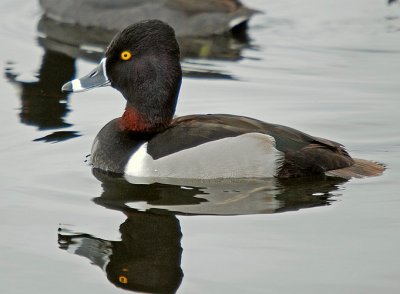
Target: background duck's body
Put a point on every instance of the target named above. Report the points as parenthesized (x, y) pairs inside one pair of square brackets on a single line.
[(188, 18)]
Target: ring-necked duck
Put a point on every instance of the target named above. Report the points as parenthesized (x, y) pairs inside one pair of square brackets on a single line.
[(142, 62)]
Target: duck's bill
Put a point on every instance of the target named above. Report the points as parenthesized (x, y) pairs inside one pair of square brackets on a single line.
[(96, 78)]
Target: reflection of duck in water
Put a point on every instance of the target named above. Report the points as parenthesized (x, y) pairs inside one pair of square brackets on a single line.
[(217, 197), (42, 104), (41, 100), (148, 257)]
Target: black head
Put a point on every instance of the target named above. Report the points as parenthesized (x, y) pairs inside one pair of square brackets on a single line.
[(143, 63)]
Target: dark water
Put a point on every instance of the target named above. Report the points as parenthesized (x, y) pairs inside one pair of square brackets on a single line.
[(330, 68)]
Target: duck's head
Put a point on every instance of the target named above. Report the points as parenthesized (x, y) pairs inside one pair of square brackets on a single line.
[(142, 62)]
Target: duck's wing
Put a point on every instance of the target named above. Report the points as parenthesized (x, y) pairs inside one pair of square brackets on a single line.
[(303, 154), (193, 130)]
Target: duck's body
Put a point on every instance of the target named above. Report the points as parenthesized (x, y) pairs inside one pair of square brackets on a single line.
[(142, 62), (215, 146)]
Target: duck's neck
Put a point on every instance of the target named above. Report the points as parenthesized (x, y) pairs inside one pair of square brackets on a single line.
[(134, 120)]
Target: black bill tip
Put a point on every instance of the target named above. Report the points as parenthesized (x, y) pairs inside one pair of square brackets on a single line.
[(67, 87)]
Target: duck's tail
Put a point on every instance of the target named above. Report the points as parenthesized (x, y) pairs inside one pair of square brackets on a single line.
[(361, 168)]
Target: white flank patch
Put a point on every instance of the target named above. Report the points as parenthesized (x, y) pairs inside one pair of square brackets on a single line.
[(140, 164), (251, 155)]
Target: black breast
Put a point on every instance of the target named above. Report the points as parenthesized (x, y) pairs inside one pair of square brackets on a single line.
[(112, 147)]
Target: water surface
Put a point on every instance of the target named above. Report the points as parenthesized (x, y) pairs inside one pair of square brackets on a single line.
[(329, 68)]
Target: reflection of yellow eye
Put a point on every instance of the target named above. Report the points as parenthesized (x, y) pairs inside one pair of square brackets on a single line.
[(126, 55), (123, 279)]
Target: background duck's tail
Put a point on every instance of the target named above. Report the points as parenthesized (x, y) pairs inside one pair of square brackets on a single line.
[(361, 168)]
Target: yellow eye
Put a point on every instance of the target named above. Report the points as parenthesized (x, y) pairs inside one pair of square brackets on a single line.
[(126, 55)]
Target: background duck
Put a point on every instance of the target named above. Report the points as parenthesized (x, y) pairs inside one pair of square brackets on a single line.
[(205, 29), (188, 18)]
